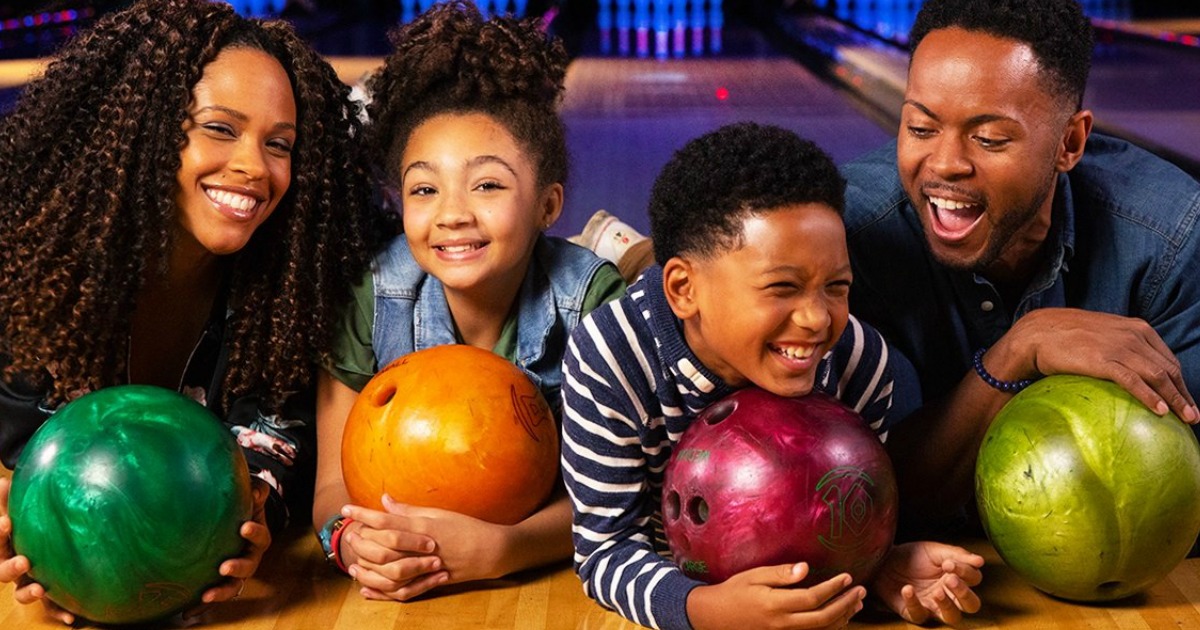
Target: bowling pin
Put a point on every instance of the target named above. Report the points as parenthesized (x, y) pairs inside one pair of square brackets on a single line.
[(641, 24), (604, 22), (624, 22), (679, 21), (408, 11), (716, 22), (699, 17), (662, 27)]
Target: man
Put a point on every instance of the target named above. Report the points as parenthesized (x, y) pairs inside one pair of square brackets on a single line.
[(998, 240)]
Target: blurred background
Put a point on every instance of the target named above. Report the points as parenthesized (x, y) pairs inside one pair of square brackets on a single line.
[(648, 75)]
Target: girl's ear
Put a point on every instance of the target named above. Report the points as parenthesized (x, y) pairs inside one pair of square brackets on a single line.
[(551, 205)]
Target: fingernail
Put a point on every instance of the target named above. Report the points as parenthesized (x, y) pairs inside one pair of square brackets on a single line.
[(435, 564), (427, 546), (443, 579), (1162, 408), (1192, 413), (353, 571), (346, 510)]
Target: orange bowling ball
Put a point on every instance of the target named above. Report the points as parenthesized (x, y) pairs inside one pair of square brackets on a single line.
[(452, 427)]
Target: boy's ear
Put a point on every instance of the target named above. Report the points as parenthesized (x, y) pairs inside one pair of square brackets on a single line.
[(552, 205), (680, 287)]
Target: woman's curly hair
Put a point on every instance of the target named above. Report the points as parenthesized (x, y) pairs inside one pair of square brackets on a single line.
[(88, 163), (451, 60)]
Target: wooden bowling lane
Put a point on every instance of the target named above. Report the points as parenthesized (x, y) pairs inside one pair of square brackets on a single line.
[(295, 590)]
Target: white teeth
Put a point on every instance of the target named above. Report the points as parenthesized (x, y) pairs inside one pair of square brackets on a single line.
[(232, 199), (949, 204), (795, 352), (458, 249)]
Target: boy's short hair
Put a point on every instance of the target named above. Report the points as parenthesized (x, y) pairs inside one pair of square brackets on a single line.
[(714, 182), (1057, 32)]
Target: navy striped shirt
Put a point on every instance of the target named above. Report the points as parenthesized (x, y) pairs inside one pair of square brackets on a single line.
[(631, 386)]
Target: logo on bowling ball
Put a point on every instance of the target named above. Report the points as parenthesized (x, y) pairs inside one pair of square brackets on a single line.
[(529, 411), (847, 491)]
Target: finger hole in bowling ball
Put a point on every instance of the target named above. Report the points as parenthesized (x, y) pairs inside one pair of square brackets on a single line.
[(719, 411), (672, 506), (697, 510), (383, 396)]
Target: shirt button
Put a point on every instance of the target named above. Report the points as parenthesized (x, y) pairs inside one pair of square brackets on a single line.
[(987, 306)]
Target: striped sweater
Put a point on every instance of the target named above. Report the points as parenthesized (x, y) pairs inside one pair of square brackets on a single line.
[(631, 385)]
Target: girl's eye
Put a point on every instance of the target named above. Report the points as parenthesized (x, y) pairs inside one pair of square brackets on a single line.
[(421, 191), (488, 186), (283, 146)]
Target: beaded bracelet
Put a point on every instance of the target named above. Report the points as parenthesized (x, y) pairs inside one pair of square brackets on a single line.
[(1008, 387)]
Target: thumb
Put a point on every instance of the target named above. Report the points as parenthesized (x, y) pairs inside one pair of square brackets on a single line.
[(778, 575), (392, 506)]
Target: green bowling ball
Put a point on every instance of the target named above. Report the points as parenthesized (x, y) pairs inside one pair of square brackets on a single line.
[(126, 501), (1085, 492)]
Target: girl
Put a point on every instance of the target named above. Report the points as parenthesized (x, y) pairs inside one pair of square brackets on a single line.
[(463, 123), (182, 207)]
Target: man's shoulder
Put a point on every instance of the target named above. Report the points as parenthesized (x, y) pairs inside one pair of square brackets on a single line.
[(1118, 179), (873, 190)]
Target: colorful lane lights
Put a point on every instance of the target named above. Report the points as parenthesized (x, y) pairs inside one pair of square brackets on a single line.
[(44, 19), (1166, 36)]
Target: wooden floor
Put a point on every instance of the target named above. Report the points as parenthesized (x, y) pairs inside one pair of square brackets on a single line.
[(295, 590)]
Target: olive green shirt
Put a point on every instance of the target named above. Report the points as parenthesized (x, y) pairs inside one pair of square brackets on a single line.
[(354, 353)]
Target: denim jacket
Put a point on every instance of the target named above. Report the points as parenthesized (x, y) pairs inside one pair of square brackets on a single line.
[(1123, 240), (411, 312)]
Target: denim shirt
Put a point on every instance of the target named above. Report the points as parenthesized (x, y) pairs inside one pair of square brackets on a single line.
[(1123, 240), (411, 312)]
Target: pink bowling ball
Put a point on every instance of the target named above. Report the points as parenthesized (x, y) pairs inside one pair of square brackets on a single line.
[(760, 480)]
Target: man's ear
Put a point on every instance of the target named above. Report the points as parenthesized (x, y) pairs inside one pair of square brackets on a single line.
[(1075, 135), (680, 287)]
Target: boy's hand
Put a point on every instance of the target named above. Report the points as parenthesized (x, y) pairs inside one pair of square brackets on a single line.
[(14, 568), (927, 579), (767, 598)]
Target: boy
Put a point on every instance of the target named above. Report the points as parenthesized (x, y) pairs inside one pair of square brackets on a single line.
[(751, 288)]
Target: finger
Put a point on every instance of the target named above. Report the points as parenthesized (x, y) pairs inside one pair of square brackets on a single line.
[(13, 568), (841, 607), (965, 598), (410, 590), (1185, 405), (911, 609), (398, 572), (1134, 382), (943, 608), (402, 545), (224, 591), (58, 613), (5, 485), (29, 593), (397, 540), (967, 569), (378, 520), (259, 537), (819, 594)]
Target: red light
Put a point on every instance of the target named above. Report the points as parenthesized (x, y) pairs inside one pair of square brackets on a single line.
[(722, 94)]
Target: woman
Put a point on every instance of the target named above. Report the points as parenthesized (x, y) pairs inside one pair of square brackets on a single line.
[(183, 207)]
